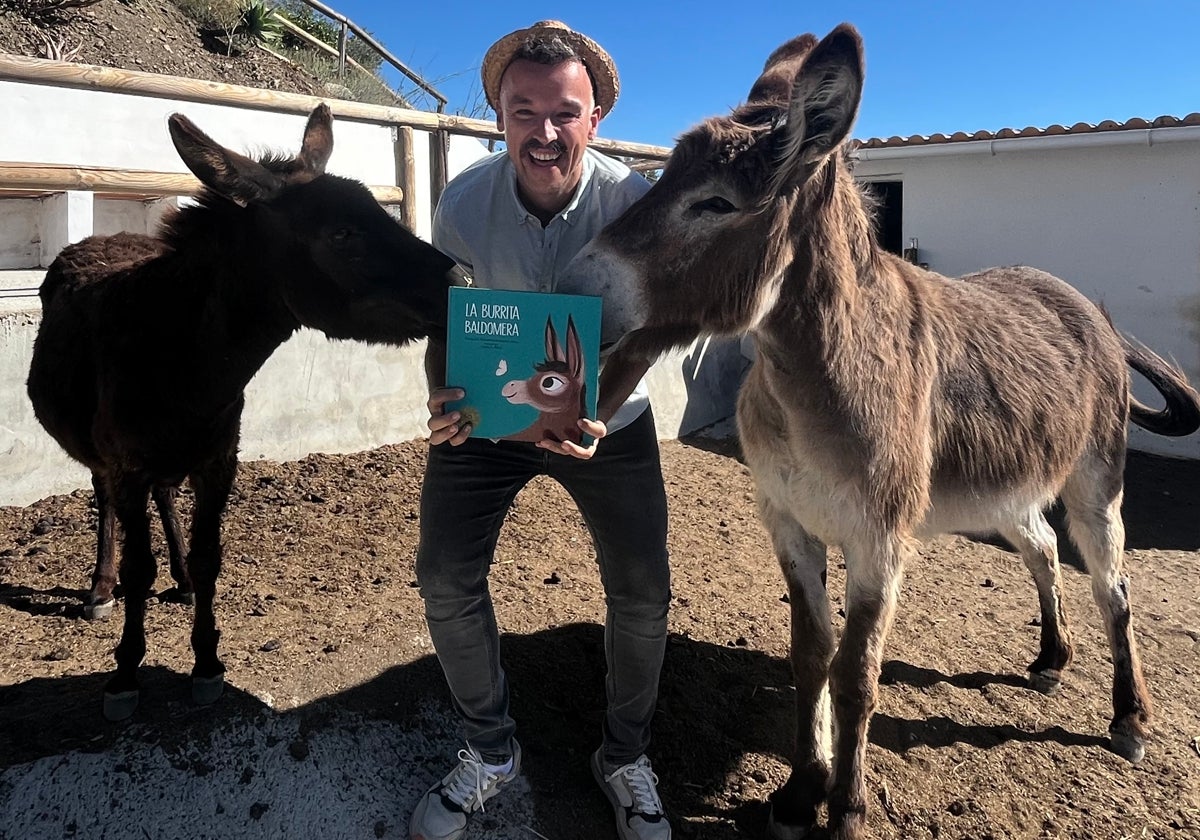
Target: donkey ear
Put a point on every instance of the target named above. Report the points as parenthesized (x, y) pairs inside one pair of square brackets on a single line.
[(574, 350), (318, 141), (775, 83), (227, 173), (824, 102), (554, 351)]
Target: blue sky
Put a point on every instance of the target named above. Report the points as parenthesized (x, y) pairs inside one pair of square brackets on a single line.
[(931, 67)]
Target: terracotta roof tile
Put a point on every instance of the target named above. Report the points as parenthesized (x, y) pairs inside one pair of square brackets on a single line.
[(1165, 121)]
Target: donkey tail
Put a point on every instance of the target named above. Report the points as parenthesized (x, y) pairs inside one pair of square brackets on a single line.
[(1181, 415)]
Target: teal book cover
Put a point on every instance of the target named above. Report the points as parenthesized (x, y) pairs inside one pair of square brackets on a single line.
[(528, 361)]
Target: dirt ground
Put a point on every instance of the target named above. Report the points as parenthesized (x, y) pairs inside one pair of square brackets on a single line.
[(154, 37), (335, 716), (324, 636)]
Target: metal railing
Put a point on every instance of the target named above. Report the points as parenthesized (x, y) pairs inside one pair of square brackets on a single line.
[(348, 26)]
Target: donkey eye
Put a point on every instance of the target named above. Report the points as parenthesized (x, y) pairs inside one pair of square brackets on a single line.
[(713, 204), (343, 235), (552, 384)]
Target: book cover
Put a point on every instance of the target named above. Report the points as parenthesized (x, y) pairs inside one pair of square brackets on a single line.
[(528, 361)]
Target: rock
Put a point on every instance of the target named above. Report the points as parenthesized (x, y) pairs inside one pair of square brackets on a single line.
[(337, 92)]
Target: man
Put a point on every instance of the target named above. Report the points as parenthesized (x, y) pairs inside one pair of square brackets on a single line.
[(514, 221)]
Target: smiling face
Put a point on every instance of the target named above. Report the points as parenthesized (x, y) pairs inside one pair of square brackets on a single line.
[(548, 116)]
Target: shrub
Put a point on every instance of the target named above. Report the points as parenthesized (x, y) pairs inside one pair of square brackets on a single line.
[(319, 26)]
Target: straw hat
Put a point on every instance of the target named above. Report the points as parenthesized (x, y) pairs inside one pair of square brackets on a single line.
[(599, 63)]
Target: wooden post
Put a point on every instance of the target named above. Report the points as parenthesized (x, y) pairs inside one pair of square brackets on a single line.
[(438, 166), (342, 51), (406, 175)]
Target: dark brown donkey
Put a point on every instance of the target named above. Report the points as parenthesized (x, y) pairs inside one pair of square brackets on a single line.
[(885, 404), (146, 345)]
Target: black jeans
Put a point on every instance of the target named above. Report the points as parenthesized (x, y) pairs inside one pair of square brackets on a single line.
[(620, 493)]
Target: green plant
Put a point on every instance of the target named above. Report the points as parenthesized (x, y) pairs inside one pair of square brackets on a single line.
[(258, 23), (360, 88), (235, 20), (321, 27)]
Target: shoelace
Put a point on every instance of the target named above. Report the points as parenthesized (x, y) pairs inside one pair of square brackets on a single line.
[(641, 781), (471, 777)]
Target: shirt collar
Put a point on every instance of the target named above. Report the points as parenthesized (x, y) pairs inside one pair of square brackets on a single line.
[(567, 213)]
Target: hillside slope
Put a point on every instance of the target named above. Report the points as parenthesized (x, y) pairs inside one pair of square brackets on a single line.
[(148, 35)]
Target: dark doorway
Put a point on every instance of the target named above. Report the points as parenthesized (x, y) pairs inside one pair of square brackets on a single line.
[(889, 214)]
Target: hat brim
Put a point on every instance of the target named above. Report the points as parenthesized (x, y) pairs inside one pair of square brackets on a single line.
[(596, 60)]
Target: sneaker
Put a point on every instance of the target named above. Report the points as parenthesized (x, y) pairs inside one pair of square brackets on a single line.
[(443, 811), (631, 790)]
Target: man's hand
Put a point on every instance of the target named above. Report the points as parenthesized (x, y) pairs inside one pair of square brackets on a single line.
[(445, 427), (590, 427)]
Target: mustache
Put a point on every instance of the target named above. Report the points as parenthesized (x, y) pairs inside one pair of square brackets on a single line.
[(556, 146)]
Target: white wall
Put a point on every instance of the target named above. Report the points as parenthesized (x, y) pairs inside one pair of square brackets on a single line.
[(20, 237), (46, 124), (312, 395), (1121, 223), (317, 395)]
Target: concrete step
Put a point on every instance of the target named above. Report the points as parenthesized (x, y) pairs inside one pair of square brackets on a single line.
[(18, 289)]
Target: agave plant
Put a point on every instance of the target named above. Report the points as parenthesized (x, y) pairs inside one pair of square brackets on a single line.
[(259, 23)]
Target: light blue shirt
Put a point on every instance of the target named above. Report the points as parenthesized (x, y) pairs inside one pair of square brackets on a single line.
[(482, 225)]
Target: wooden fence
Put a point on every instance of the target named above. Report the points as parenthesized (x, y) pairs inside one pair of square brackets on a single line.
[(113, 80)]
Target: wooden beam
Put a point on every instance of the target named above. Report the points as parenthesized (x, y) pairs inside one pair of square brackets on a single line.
[(70, 74), (56, 178), (130, 183)]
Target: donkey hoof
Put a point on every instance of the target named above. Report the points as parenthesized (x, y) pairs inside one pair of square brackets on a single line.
[(206, 690), (784, 831), (99, 610), (1130, 747), (175, 595), (120, 705), (1046, 682)]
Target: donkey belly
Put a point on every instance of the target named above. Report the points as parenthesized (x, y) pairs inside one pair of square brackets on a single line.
[(798, 467), (971, 510)]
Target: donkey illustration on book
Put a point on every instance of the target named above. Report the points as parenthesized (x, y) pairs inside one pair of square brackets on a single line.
[(886, 403), (556, 389)]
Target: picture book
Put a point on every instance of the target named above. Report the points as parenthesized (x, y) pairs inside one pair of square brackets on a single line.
[(528, 361)]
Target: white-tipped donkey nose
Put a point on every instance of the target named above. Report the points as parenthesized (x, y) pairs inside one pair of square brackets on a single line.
[(597, 271)]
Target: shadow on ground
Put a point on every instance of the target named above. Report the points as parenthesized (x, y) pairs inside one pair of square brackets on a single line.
[(718, 703)]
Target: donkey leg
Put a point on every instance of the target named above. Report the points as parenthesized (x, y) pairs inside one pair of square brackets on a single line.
[(1038, 544), (100, 600), (803, 560), (212, 484), (128, 494), (873, 574), (164, 500), (1096, 528)]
